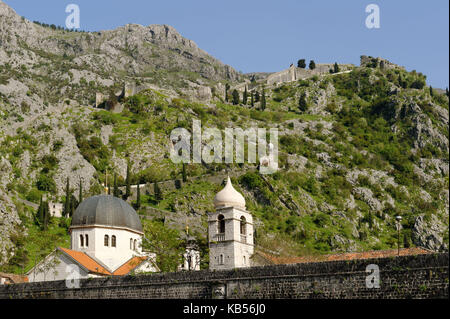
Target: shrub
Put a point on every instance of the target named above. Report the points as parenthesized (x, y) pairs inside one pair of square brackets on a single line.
[(46, 183)]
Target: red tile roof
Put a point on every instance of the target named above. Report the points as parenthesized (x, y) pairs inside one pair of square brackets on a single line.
[(344, 256), (129, 266), (92, 266), (14, 279), (87, 262)]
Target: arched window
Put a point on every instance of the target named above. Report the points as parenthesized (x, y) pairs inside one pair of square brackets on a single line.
[(221, 226), (113, 241), (81, 241), (221, 259), (243, 226), (134, 244), (106, 240), (245, 260), (131, 243), (87, 241)]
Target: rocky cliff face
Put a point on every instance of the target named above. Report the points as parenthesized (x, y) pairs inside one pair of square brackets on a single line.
[(134, 49)]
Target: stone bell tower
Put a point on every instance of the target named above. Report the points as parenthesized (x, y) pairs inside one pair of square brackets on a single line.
[(230, 230)]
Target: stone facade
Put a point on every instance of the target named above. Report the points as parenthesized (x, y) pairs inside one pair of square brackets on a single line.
[(419, 276), (231, 247)]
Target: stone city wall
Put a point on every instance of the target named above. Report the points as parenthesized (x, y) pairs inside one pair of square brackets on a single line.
[(421, 276)]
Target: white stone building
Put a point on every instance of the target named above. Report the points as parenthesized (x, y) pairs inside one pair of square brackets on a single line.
[(55, 209), (106, 236), (230, 231)]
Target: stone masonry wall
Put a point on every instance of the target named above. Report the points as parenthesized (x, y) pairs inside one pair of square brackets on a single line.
[(295, 74), (422, 276)]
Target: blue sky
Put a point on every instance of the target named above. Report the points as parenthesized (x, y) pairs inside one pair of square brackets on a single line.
[(266, 36)]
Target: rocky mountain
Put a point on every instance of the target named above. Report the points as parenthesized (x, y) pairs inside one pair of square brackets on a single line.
[(356, 148)]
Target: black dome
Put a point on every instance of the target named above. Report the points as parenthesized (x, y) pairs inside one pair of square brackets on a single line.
[(106, 210)]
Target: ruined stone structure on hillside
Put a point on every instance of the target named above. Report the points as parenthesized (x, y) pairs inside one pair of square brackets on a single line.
[(295, 74)]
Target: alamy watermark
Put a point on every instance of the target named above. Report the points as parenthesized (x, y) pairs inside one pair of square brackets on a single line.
[(73, 19), (73, 279), (373, 19), (373, 279), (207, 145)]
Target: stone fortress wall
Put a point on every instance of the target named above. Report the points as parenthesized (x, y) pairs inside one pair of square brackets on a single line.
[(420, 276), (295, 74)]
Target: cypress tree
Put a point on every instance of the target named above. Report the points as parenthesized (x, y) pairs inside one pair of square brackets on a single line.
[(447, 92), (116, 188), (263, 101), (431, 91), (67, 202), (370, 220), (302, 104), (138, 197), (336, 68), (245, 97), (80, 194), (46, 216), (235, 97), (184, 173), (312, 65), (128, 182), (257, 97), (40, 214), (252, 99), (73, 205), (227, 87)]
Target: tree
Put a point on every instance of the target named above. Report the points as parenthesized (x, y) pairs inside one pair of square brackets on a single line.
[(301, 63), (184, 174), (165, 242), (43, 215), (312, 65), (336, 68), (116, 188), (252, 99), (447, 92), (257, 97), (128, 182), (235, 97), (46, 216), (73, 204), (302, 104), (227, 87), (80, 194), (431, 91), (138, 197), (40, 213), (157, 191), (46, 183), (245, 97), (263, 100), (67, 200)]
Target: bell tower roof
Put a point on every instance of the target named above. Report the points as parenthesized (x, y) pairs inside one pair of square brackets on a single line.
[(229, 197)]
